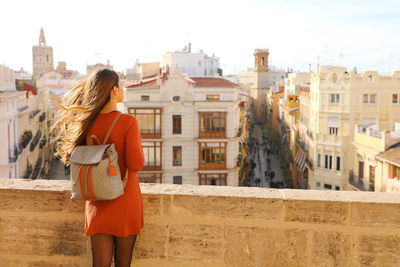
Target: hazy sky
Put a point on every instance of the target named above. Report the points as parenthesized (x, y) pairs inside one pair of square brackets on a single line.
[(362, 33)]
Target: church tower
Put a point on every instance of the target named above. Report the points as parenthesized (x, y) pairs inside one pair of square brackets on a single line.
[(42, 56), (261, 60)]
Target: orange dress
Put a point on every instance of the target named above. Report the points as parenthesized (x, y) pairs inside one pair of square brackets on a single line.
[(122, 216)]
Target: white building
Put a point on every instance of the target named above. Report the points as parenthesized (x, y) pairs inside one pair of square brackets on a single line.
[(189, 128), (263, 76), (23, 130), (192, 64)]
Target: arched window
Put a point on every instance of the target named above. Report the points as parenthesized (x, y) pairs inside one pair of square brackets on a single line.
[(262, 61)]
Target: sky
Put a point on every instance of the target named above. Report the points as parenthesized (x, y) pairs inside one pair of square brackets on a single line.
[(351, 33)]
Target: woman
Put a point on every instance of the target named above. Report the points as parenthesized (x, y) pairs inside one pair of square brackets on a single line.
[(89, 109)]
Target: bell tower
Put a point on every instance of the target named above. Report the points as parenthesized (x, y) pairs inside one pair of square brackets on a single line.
[(42, 56), (261, 60)]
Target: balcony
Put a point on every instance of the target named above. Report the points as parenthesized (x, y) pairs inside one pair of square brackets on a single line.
[(360, 183), (210, 135), (190, 225), (150, 133), (212, 166)]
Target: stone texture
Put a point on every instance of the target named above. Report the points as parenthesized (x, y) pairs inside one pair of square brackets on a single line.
[(207, 226), (330, 249), (374, 214), (24, 235), (316, 211), (199, 243), (231, 207), (379, 250), (254, 246), (152, 242)]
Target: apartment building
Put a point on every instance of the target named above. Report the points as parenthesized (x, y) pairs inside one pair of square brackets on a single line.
[(189, 128), (23, 129), (368, 172), (338, 101)]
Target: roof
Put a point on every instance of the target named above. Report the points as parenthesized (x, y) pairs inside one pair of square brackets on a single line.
[(391, 155), (196, 81), (212, 82)]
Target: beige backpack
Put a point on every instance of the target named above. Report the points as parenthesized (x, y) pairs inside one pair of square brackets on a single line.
[(95, 174)]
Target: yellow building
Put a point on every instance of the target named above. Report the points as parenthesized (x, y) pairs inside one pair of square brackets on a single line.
[(367, 174), (338, 101)]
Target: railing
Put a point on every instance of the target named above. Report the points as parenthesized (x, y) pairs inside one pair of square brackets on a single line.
[(35, 140), (212, 166), (213, 134), (36, 170), (360, 183), (26, 138), (151, 166), (177, 162), (301, 144), (34, 113), (150, 133), (239, 133), (42, 117)]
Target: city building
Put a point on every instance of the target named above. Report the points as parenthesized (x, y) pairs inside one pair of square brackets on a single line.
[(263, 76), (189, 128), (374, 159), (42, 56), (91, 68), (338, 102), (273, 95), (143, 71), (192, 64), (23, 129)]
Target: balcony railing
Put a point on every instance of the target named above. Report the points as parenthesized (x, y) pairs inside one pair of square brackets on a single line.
[(360, 183), (212, 134), (151, 166), (150, 133), (212, 166), (177, 162)]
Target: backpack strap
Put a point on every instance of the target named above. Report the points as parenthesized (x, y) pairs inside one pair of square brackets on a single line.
[(111, 127)]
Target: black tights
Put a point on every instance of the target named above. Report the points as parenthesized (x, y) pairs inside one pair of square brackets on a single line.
[(103, 247)]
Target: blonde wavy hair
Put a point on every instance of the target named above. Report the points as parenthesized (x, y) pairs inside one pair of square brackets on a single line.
[(78, 110)]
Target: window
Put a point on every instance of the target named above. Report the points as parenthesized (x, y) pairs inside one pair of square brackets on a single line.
[(212, 156), (212, 97), (333, 130), (152, 155), (337, 163), (212, 124), (372, 174), (394, 171), (396, 98), (145, 98), (149, 120), (176, 98), (318, 186), (212, 179), (176, 124), (369, 98), (361, 169), (328, 186), (150, 178), (337, 187), (177, 179), (177, 156), (328, 162), (335, 98), (319, 160)]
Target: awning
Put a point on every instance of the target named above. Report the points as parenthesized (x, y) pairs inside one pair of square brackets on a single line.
[(300, 160)]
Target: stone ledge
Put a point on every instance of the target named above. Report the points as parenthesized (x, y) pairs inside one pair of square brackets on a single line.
[(222, 191)]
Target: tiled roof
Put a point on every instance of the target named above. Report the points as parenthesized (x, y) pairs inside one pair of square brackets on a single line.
[(145, 84), (212, 82), (391, 155)]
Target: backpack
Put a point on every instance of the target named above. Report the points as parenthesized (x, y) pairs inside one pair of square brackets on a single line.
[(95, 174)]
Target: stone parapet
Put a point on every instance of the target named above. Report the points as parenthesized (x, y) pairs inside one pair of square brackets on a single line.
[(188, 225)]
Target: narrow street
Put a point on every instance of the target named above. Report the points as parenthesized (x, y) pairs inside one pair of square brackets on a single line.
[(260, 152)]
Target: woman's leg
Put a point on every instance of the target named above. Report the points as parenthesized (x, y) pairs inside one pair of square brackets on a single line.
[(123, 250), (102, 249)]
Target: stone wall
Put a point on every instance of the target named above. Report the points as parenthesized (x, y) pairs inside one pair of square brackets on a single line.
[(208, 226)]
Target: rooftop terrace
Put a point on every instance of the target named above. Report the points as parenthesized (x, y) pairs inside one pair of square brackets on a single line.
[(189, 225)]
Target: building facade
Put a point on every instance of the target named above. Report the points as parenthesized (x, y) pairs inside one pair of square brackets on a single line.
[(338, 101), (42, 56), (262, 76), (189, 128)]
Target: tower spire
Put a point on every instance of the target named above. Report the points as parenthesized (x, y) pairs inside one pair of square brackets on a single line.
[(42, 38)]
